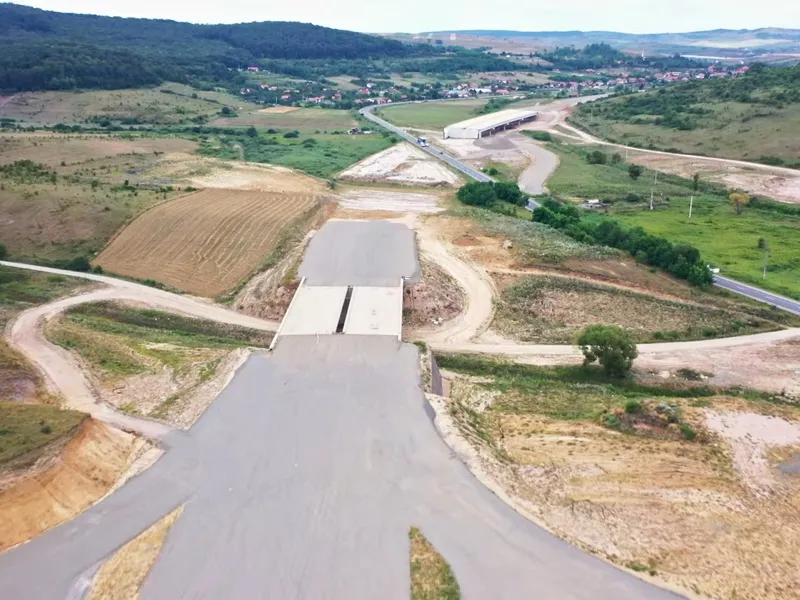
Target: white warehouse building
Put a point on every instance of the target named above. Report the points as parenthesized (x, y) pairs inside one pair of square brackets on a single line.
[(479, 127)]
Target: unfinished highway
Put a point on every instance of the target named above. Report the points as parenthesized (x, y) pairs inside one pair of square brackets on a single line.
[(303, 478)]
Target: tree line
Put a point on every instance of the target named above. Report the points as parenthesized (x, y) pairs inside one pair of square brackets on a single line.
[(682, 260)]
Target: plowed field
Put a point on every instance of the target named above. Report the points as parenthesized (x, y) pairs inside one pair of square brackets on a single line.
[(203, 243)]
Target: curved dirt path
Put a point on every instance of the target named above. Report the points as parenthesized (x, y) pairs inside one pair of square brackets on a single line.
[(473, 279), (63, 374), (544, 163)]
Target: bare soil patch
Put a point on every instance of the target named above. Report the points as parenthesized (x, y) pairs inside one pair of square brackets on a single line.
[(782, 187), (123, 574), (402, 164), (390, 201), (678, 512), (80, 475), (278, 110), (772, 367), (437, 298), (52, 148), (204, 242)]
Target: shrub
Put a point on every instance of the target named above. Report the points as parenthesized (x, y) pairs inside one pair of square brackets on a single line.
[(611, 346), (633, 407), (46, 429), (596, 158), (688, 433), (3, 252), (291, 135), (542, 136), (635, 171)]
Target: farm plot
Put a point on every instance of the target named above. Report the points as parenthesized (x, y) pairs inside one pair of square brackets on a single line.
[(206, 242)]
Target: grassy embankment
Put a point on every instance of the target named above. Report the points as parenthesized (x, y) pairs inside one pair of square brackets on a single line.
[(431, 576), (726, 239), (118, 341), (25, 428), (177, 353)]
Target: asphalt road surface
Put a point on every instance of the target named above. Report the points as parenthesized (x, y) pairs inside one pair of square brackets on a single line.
[(301, 481), (361, 253), (450, 160), (787, 304)]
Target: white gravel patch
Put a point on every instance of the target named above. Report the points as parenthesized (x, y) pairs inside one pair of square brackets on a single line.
[(750, 435), (402, 164)]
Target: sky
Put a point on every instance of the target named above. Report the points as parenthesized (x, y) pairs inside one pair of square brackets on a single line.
[(413, 16)]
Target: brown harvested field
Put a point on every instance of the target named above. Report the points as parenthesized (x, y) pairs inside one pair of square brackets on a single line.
[(52, 149), (206, 242), (146, 105)]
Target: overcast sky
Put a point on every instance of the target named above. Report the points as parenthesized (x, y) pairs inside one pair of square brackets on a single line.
[(634, 16)]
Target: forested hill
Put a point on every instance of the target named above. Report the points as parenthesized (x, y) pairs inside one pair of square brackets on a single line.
[(49, 50)]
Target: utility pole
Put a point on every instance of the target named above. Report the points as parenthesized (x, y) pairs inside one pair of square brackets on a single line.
[(691, 204), (651, 198), (766, 260)]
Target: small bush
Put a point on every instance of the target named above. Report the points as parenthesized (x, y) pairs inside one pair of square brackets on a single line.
[(46, 429), (289, 135), (688, 433), (633, 406)]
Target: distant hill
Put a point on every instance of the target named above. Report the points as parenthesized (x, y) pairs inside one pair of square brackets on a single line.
[(724, 43), (755, 117), (44, 50)]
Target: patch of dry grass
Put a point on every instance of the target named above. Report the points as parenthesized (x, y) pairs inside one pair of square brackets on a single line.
[(122, 575), (549, 309), (431, 576), (674, 510)]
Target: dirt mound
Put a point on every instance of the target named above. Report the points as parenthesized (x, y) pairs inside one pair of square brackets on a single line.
[(201, 172), (82, 473), (435, 299), (403, 164)]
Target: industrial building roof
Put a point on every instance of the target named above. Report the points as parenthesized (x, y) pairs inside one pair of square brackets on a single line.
[(495, 119)]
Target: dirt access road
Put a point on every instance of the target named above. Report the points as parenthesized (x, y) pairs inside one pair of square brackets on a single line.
[(62, 373), (334, 437)]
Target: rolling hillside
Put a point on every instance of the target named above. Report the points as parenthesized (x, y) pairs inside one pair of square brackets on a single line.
[(754, 117), (44, 50)]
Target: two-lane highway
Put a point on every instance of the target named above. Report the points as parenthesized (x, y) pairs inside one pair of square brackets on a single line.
[(366, 112), (754, 293)]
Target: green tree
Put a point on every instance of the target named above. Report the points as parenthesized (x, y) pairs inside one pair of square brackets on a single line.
[(477, 193), (611, 346), (635, 171), (3, 252), (695, 181), (251, 132)]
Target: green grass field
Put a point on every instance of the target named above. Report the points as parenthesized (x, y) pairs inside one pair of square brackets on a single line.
[(25, 428), (727, 240), (307, 120), (432, 115), (319, 155)]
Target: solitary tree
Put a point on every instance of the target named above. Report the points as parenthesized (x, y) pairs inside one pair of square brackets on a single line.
[(635, 171), (3, 252), (611, 346), (695, 181), (740, 201)]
